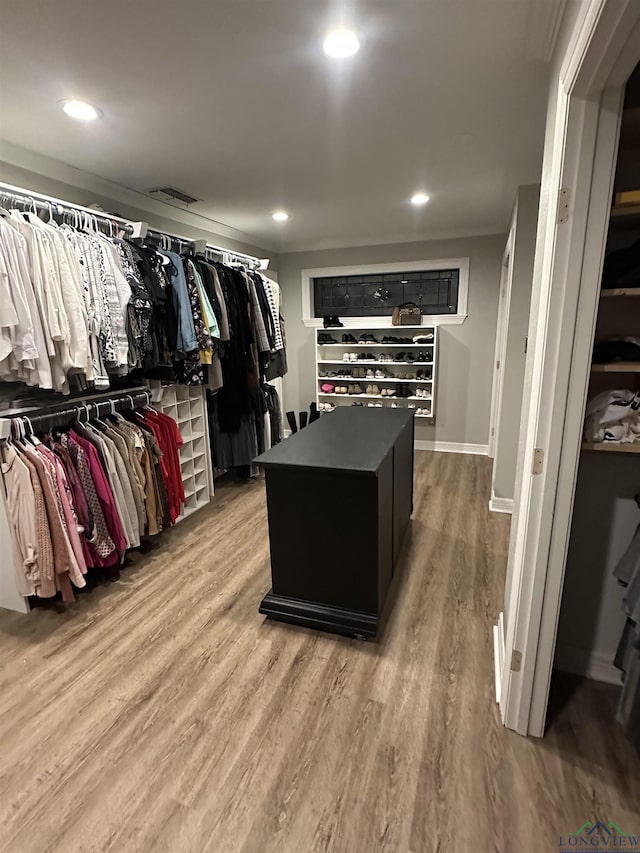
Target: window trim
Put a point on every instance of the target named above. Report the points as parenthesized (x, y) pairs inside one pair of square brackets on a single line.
[(383, 321)]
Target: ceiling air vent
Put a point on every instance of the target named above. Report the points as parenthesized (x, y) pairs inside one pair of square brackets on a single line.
[(173, 193)]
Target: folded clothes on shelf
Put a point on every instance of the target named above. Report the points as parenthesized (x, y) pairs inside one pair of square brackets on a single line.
[(613, 416)]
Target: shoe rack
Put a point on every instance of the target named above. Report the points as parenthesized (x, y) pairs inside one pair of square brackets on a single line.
[(389, 362), (186, 405)]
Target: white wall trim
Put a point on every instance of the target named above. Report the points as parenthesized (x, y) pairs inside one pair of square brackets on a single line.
[(595, 665), (500, 504), (498, 654), (452, 447), (382, 322)]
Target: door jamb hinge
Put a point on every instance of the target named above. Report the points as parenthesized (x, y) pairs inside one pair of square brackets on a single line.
[(538, 461), (564, 198), (516, 660)]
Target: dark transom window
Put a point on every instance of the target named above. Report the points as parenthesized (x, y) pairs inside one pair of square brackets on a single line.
[(375, 294)]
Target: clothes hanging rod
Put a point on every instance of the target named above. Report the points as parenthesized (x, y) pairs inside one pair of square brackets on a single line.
[(48, 202), (135, 229)]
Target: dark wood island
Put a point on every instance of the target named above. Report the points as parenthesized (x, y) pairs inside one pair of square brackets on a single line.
[(339, 500)]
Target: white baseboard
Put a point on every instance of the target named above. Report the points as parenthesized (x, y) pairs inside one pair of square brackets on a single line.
[(500, 504), (498, 654), (595, 665), (452, 447)]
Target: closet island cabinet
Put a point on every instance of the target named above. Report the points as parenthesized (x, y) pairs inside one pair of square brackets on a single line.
[(358, 458)]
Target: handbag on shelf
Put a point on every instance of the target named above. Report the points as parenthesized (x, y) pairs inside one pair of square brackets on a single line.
[(406, 314)]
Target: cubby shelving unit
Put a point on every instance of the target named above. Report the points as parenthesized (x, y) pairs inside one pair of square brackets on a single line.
[(186, 405), (329, 358)]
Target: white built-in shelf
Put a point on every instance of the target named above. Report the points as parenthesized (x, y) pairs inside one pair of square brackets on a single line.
[(358, 347), (363, 362), (611, 446), (324, 356), (368, 380), (617, 367), (620, 291), (187, 405), (372, 397)]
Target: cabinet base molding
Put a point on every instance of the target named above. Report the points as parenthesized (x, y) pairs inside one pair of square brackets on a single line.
[(319, 616)]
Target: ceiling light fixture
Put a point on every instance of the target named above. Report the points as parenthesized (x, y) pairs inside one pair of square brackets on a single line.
[(280, 215), (419, 198), (341, 43), (81, 110)]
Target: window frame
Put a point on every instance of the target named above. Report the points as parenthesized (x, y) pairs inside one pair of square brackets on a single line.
[(383, 321)]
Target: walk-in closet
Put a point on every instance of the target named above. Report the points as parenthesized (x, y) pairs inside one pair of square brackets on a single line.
[(598, 628), (293, 301)]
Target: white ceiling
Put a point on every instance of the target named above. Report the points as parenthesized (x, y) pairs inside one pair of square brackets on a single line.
[(234, 102)]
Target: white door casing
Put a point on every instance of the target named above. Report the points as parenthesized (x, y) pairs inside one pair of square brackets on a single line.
[(502, 329), (568, 261)]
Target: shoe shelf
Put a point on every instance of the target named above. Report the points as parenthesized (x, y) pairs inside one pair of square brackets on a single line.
[(363, 362), (187, 406), (367, 380), (331, 354), (372, 397)]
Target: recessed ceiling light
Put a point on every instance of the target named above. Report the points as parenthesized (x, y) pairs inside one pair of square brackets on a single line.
[(341, 43), (419, 198), (81, 110), (280, 215)]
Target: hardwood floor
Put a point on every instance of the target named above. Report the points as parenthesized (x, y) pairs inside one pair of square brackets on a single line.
[(162, 713)]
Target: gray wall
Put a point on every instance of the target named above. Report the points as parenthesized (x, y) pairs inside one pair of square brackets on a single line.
[(465, 357), (525, 220)]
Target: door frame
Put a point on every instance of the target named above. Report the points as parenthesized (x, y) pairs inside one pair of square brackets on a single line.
[(502, 331), (603, 50)]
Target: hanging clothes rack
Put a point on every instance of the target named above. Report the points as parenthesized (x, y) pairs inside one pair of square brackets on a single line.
[(11, 196), (61, 412)]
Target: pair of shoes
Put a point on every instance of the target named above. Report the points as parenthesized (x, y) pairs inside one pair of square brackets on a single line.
[(374, 405), (424, 374), (342, 389), (332, 322), (349, 339), (410, 357), (382, 374), (345, 374), (388, 392), (425, 356), (422, 392), (385, 357), (366, 356), (350, 356), (326, 407), (355, 389), (400, 357), (405, 341), (424, 412), (403, 390), (328, 388), (426, 338), (367, 339), (390, 339), (373, 389), (370, 373), (357, 403), (324, 338)]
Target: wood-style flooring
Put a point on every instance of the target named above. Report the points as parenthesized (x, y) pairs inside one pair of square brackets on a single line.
[(163, 713)]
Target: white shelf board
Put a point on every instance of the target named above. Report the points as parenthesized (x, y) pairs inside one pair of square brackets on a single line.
[(364, 362), (370, 397), (370, 379), (371, 345)]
